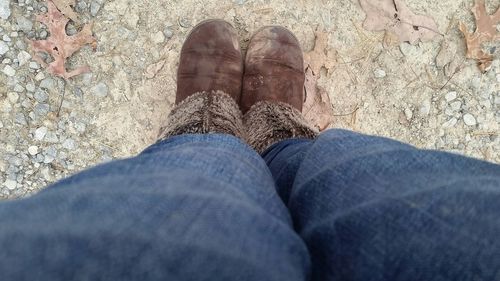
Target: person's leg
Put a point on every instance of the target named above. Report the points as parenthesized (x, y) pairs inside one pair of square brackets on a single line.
[(370, 208), (193, 207), (198, 205)]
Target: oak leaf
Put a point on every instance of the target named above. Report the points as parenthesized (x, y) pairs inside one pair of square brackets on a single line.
[(395, 17), (317, 107), (59, 45), (65, 7), (485, 31)]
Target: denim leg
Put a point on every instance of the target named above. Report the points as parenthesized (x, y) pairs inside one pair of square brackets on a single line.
[(371, 208), (193, 207)]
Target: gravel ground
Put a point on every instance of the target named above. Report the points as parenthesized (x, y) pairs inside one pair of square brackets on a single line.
[(399, 91)]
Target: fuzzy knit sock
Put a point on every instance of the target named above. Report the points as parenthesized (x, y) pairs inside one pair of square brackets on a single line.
[(203, 113), (267, 123)]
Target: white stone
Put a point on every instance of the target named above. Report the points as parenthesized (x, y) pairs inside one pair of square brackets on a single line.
[(13, 97), (450, 123), (408, 114), (18, 88), (9, 71), (158, 37), (34, 65), (456, 105), (469, 120), (23, 57), (10, 184), (69, 144), (450, 96), (4, 9), (40, 76), (100, 90), (4, 48), (425, 109), (379, 73), (40, 133), (33, 150)]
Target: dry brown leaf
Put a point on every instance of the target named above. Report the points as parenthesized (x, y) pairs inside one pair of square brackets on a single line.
[(65, 6), (153, 69), (59, 45), (317, 107), (319, 57), (395, 17), (485, 31)]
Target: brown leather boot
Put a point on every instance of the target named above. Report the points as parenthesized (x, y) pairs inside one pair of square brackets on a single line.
[(209, 81), (273, 89)]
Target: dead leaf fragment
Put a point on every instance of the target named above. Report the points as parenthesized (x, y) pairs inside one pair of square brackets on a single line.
[(395, 17), (153, 69), (65, 6), (485, 31), (317, 107), (320, 56), (59, 45)]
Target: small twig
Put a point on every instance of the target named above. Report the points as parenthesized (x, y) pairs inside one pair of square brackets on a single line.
[(484, 134), (347, 114), (453, 75), (353, 61), (62, 97)]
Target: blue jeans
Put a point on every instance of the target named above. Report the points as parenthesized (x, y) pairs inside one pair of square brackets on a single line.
[(345, 206)]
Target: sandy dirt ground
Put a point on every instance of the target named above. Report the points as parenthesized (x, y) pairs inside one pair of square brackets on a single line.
[(375, 85)]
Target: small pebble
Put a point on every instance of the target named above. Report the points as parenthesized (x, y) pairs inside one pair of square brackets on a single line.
[(425, 109), (9, 71), (24, 24), (13, 97), (48, 83), (30, 87), (450, 123), (95, 6), (51, 137), (41, 95), (469, 120), (6, 38), (18, 88), (168, 32), (456, 105), (20, 119), (158, 37), (39, 76), (100, 90), (450, 96), (34, 65), (23, 57), (4, 48), (42, 34), (41, 109), (40, 133), (379, 73), (69, 144), (81, 7), (408, 114), (33, 150), (184, 22), (4, 9), (10, 184)]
